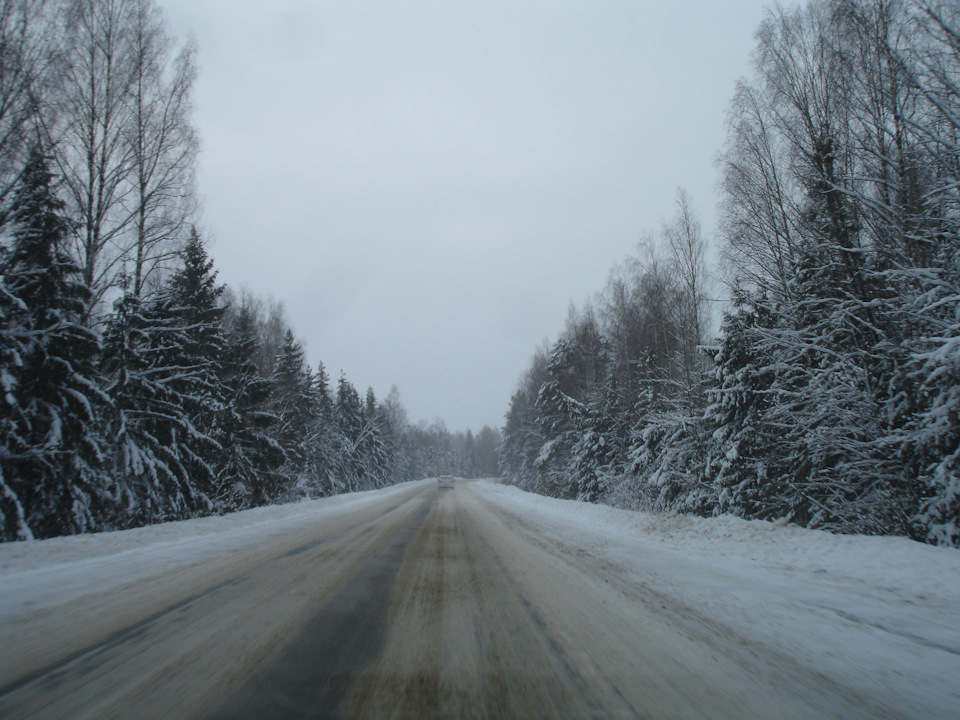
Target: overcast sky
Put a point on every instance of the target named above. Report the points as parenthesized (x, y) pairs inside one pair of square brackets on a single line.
[(427, 185)]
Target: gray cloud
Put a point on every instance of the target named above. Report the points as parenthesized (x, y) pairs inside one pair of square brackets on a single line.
[(427, 185)]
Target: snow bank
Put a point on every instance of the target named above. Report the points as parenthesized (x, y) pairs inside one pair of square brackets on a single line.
[(888, 564), (879, 614)]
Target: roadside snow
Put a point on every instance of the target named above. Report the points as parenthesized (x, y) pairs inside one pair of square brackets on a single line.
[(42, 573), (879, 614), (892, 566)]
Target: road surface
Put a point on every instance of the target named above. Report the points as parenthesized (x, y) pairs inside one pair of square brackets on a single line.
[(425, 603)]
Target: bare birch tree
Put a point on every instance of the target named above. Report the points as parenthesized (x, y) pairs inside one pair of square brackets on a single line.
[(687, 249), (126, 145), (94, 154), (27, 58), (163, 143)]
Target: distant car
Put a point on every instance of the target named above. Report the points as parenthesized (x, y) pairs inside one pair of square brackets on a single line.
[(445, 481)]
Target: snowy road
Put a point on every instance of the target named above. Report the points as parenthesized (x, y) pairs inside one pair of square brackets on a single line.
[(419, 602)]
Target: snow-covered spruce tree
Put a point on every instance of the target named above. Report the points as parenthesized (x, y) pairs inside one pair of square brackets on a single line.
[(50, 449), (670, 366), (599, 433), (931, 439), (149, 420), (807, 243), (558, 415), (402, 453), (600, 450), (522, 435), (321, 457), (933, 435), (391, 437), (571, 403), (373, 449), (509, 454), (250, 456), (744, 461), (192, 297), (666, 454), (314, 476), (294, 404), (350, 423)]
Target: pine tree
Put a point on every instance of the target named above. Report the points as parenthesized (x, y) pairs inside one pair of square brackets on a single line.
[(50, 452)]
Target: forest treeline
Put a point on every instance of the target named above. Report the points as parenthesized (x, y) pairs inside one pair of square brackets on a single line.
[(831, 397), (135, 388)]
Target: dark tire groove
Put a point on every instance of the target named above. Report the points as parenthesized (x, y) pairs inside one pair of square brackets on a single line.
[(310, 676)]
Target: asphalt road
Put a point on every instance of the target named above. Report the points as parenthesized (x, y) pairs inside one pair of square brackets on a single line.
[(429, 603)]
